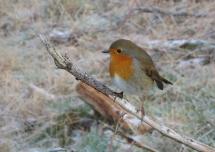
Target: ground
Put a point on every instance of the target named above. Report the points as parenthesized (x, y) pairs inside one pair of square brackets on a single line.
[(40, 109)]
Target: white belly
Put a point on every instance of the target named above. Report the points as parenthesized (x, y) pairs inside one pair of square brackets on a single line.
[(139, 84), (123, 85), (139, 87)]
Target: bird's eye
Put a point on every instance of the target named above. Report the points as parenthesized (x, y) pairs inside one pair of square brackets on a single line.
[(119, 50)]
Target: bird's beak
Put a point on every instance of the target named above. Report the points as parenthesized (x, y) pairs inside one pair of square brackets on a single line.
[(105, 51)]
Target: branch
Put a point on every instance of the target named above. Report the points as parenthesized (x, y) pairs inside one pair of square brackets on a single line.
[(100, 92)]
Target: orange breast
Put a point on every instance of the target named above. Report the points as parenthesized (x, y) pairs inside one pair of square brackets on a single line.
[(121, 65)]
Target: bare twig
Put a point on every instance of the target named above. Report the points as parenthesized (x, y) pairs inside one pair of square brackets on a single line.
[(64, 63)]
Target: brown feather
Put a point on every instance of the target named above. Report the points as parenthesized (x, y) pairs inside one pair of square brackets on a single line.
[(154, 75), (149, 68)]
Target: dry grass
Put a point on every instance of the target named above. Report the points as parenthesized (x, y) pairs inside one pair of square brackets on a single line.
[(188, 106)]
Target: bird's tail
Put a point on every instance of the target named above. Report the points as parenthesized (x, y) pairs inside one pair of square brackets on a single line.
[(160, 82)]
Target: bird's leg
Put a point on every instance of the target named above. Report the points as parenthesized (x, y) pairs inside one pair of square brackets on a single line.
[(142, 111), (142, 107)]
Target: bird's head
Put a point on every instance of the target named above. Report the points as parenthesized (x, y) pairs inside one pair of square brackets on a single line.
[(122, 48)]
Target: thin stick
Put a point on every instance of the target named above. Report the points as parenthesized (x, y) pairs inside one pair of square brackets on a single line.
[(64, 63)]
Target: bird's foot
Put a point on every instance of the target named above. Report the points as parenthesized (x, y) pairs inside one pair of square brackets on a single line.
[(118, 94)]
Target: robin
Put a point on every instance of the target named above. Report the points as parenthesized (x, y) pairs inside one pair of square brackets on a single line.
[(132, 69)]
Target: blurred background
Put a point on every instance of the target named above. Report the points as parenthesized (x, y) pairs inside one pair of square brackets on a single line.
[(40, 110)]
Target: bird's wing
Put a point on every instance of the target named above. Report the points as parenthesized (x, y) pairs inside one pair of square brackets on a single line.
[(150, 70)]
